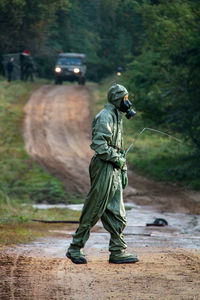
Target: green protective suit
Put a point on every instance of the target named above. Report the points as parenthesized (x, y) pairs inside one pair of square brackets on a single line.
[(105, 200)]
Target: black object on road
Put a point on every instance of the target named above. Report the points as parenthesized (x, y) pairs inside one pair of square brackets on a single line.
[(158, 222)]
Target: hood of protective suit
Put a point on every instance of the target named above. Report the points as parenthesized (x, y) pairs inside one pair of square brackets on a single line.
[(115, 94)]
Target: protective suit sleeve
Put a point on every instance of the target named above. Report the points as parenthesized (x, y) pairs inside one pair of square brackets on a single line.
[(102, 132)]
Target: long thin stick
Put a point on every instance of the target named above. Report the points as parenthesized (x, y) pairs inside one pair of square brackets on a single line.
[(155, 130), (46, 221)]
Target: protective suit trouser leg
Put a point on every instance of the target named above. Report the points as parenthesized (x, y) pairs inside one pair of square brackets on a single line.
[(101, 191), (105, 201), (114, 221)]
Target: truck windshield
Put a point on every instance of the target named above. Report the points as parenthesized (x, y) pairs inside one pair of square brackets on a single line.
[(69, 61)]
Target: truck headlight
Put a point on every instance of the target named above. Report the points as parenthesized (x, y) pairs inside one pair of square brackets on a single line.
[(76, 70), (58, 69)]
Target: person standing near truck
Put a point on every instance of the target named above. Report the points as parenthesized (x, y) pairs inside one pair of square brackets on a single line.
[(108, 175), (27, 66)]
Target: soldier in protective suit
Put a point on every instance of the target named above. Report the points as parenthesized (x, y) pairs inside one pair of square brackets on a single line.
[(108, 175)]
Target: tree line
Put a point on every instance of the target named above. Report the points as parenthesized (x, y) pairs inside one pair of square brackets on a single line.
[(156, 42)]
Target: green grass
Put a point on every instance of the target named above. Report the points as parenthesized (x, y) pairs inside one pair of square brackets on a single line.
[(17, 213), (16, 225)]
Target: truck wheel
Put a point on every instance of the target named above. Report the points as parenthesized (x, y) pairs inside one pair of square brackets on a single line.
[(81, 80), (58, 81)]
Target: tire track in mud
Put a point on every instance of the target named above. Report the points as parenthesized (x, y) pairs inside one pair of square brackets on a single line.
[(12, 284), (33, 278), (44, 278), (57, 133)]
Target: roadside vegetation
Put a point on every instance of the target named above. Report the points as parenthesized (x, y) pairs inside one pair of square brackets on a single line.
[(16, 225), (20, 177)]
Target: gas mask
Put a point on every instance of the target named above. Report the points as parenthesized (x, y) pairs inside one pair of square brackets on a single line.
[(125, 106)]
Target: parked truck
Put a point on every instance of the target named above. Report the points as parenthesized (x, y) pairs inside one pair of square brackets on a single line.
[(70, 67)]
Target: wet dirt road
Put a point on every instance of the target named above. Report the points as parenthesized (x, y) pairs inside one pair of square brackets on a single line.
[(57, 136)]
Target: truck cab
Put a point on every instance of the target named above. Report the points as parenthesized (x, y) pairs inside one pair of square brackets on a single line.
[(70, 67)]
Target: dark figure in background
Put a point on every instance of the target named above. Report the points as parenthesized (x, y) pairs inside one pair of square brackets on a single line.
[(28, 69), (9, 68), (27, 66), (2, 68)]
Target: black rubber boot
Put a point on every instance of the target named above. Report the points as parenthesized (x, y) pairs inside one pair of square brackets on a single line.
[(123, 258), (77, 260)]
